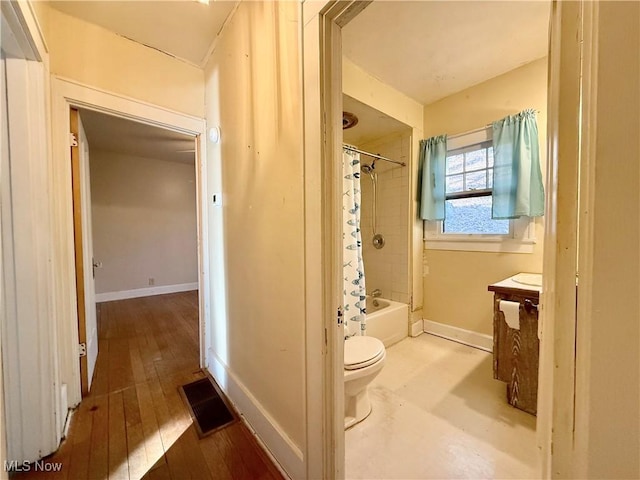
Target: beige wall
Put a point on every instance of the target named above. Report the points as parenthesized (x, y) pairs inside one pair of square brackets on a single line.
[(144, 221), (41, 11), (387, 268), (97, 57), (369, 90), (455, 287), (253, 92), (608, 369)]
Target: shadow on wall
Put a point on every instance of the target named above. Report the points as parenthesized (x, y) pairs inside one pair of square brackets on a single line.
[(253, 93)]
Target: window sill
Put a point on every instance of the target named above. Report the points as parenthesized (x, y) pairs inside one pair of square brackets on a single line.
[(492, 245)]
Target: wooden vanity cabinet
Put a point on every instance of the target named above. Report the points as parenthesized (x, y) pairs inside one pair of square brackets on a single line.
[(516, 351)]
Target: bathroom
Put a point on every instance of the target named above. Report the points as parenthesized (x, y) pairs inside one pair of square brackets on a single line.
[(434, 408)]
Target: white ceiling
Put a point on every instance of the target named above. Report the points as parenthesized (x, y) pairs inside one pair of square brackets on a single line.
[(431, 49), (115, 134), (372, 124), (182, 28)]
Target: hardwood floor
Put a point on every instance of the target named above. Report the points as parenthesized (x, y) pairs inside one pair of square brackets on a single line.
[(134, 423)]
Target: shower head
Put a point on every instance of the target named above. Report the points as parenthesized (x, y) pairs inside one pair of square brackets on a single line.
[(366, 168)]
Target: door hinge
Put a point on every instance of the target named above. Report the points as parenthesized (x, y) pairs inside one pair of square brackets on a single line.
[(73, 140), (82, 349), (340, 315)]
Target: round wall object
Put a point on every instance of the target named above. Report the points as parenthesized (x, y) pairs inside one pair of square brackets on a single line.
[(214, 134), (378, 241)]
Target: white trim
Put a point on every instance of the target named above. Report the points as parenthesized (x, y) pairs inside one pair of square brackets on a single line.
[(93, 98), (317, 408), (468, 139), (556, 379), (29, 403), (324, 371), (23, 24), (287, 453), (145, 292), (589, 163), (67, 93), (469, 245), (521, 239), (30, 21), (264, 447), (417, 328), (477, 340)]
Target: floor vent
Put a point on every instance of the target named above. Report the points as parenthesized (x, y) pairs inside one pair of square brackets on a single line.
[(207, 406)]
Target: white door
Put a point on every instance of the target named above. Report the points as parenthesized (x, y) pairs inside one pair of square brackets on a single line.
[(91, 324)]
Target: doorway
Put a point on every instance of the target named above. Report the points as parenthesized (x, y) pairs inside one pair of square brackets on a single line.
[(135, 227), (328, 50), (67, 95), (458, 94)]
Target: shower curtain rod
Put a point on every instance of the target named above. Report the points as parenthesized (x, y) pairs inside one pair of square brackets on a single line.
[(374, 155)]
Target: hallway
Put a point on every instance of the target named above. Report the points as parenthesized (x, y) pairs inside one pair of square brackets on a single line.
[(134, 423)]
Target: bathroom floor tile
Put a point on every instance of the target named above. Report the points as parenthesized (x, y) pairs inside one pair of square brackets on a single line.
[(438, 413)]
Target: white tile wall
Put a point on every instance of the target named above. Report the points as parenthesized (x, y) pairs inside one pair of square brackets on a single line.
[(388, 268)]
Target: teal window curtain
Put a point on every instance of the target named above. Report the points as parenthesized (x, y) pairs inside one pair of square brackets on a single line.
[(433, 155), (517, 179)]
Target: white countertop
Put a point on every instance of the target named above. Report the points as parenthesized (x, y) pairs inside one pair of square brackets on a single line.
[(522, 281)]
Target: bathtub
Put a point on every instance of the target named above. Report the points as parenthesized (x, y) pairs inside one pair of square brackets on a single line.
[(389, 321)]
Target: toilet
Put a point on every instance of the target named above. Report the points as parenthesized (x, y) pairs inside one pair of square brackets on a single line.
[(363, 361)]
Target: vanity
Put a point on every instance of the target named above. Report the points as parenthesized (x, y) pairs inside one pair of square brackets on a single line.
[(516, 345)]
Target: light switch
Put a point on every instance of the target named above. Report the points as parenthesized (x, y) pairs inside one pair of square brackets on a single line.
[(217, 199)]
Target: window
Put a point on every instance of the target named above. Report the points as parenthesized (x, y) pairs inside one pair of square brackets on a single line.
[(468, 187), (468, 182)]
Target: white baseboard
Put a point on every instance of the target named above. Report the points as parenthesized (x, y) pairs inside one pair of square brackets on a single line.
[(269, 434), (417, 328), (460, 335), (145, 292)]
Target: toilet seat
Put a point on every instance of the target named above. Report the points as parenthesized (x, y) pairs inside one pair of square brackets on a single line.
[(360, 352)]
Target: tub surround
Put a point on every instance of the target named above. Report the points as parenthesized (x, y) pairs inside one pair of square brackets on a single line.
[(388, 268)]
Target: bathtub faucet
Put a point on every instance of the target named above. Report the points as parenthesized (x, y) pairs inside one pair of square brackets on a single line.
[(376, 293)]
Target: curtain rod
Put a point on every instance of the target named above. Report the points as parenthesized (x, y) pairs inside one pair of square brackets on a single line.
[(374, 155), (475, 130)]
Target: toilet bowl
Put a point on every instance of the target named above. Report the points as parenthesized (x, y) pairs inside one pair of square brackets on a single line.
[(363, 361)]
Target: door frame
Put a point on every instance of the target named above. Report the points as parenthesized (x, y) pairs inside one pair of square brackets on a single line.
[(322, 56), (28, 362), (66, 94), (322, 82), (79, 244)]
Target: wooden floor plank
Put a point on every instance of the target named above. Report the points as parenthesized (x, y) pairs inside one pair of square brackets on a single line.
[(118, 454), (215, 461), (194, 456), (99, 456), (134, 423), (137, 366), (152, 440), (159, 473), (79, 461)]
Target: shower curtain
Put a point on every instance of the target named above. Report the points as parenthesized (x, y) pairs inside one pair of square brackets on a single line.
[(353, 265)]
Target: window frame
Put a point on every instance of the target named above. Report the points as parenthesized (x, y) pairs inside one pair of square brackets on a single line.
[(521, 237)]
